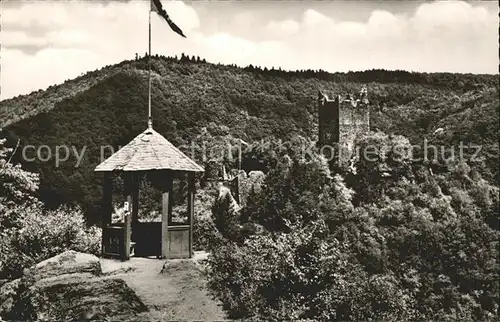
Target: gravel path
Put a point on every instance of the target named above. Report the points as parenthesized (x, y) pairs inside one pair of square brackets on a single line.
[(175, 291)]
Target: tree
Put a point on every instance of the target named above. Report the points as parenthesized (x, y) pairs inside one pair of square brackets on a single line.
[(29, 233), (380, 161), (418, 249)]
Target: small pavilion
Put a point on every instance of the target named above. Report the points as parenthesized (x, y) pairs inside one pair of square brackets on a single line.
[(149, 152)]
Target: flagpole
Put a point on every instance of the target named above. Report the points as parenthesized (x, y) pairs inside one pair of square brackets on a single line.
[(156, 6), (239, 157), (150, 121)]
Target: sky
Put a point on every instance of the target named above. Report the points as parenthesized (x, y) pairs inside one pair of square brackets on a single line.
[(47, 42)]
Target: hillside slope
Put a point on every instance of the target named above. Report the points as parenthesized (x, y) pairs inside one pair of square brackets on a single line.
[(191, 97)]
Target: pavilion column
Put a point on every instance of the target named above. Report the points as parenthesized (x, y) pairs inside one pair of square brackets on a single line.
[(127, 220), (135, 198), (190, 209), (107, 206), (166, 212), (107, 199), (170, 183)]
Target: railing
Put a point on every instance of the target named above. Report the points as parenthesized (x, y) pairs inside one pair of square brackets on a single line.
[(178, 241), (113, 239), (146, 240)]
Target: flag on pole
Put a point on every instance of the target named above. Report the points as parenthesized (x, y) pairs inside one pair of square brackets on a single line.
[(157, 7)]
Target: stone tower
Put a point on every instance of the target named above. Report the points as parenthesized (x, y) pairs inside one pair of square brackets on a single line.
[(341, 120)]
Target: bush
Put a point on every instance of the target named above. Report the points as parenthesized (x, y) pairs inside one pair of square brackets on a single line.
[(302, 275), (28, 232), (205, 235), (420, 249), (40, 234)]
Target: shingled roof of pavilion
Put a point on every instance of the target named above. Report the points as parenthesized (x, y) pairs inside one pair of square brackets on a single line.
[(149, 151)]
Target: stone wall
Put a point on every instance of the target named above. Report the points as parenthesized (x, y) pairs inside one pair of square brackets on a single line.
[(242, 185)]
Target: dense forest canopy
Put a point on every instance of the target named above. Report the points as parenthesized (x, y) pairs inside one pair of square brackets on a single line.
[(415, 246), (193, 99)]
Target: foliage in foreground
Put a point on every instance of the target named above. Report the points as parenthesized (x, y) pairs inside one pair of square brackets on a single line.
[(422, 248), (28, 232)]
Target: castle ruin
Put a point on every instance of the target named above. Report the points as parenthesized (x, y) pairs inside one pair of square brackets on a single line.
[(341, 120)]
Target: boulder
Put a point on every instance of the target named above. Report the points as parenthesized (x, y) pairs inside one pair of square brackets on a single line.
[(68, 287), (68, 262), (79, 298)]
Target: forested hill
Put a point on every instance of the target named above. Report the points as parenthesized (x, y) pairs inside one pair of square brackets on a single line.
[(190, 72), (191, 97)]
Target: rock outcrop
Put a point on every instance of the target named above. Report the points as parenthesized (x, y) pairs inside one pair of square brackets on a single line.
[(242, 184), (68, 287)]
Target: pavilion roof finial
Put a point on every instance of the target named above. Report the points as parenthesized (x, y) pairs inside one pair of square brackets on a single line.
[(150, 124)]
